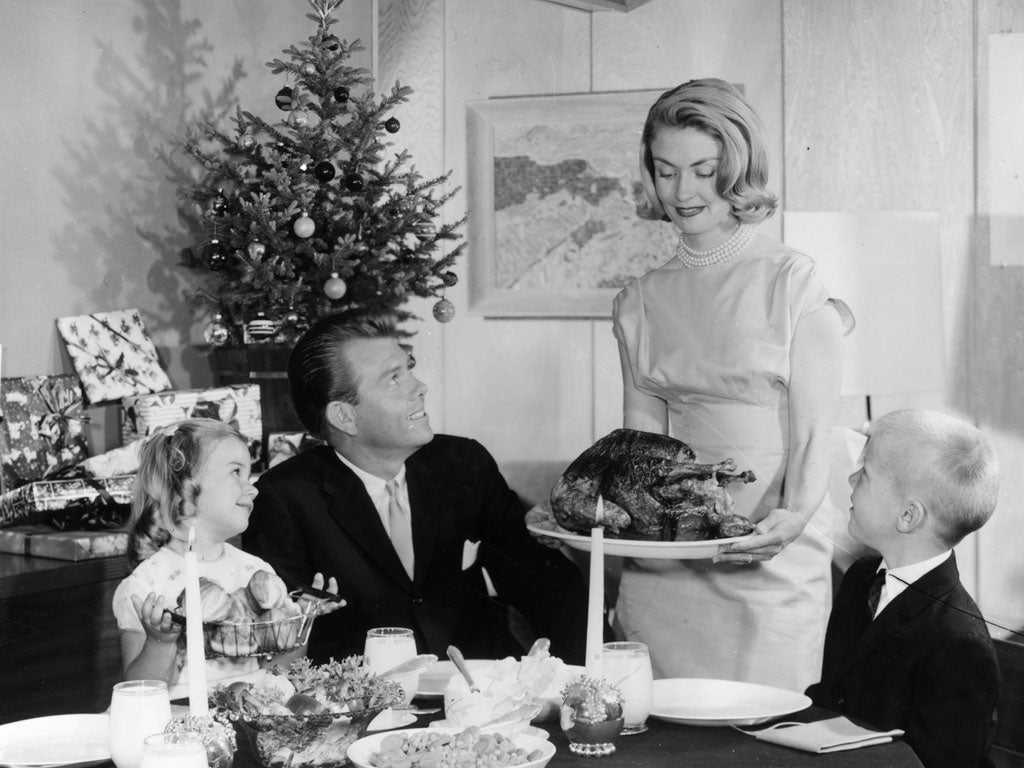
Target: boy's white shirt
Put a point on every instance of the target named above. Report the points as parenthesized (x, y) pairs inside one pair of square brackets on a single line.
[(897, 579)]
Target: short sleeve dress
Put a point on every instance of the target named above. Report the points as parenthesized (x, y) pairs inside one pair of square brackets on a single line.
[(163, 572), (714, 343)]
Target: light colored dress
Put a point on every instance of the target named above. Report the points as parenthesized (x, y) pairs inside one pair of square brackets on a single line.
[(163, 572), (714, 344)]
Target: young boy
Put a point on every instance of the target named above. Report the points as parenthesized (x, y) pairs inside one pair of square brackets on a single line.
[(913, 652)]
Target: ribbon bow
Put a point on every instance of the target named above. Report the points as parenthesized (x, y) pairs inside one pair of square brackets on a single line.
[(62, 407)]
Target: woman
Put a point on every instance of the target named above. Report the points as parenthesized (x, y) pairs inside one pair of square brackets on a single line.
[(735, 348)]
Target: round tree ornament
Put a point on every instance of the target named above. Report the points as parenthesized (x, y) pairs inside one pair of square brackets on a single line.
[(353, 182), (309, 69), (334, 287), (216, 332), (449, 278), (214, 255), (391, 125), (299, 118), (256, 250), (246, 141), (444, 311), (324, 171), (284, 99), (341, 94), (304, 226), (330, 42), (260, 327)]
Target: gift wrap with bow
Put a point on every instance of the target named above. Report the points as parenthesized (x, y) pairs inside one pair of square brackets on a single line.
[(113, 354), (43, 428), (237, 404), (40, 500)]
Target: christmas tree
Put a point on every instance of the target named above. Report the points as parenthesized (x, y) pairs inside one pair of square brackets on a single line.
[(312, 214)]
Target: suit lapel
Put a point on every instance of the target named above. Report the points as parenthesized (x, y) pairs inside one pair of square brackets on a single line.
[(352, 509), (425, 510), (934, 585)]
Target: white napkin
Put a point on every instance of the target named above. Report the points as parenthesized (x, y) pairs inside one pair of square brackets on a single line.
[(823, 736)]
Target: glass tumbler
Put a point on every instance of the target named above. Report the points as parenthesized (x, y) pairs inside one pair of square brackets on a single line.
[(387, 647), (184, 749), (138, 708), (627, 666)]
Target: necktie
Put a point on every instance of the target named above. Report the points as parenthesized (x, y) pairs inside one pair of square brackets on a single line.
[(875, 592), (400, 525)]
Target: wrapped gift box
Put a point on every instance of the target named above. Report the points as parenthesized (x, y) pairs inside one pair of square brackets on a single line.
[(42, 541), (238, 404), (33, 502), (43, 429), (284, 445), (113, 354), (123, 460)]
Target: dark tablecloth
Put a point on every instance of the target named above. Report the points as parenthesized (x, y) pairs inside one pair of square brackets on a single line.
[(669, 745)]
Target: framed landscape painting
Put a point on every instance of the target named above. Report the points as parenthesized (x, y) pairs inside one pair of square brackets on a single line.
[(553, 188)]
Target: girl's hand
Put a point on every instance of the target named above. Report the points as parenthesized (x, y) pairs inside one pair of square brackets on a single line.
[(332, 587), (157, 624), (771, 535)]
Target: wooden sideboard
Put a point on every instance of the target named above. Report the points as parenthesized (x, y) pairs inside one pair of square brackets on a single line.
[(59, 646)]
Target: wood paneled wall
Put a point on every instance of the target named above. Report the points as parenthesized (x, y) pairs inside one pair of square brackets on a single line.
[(869, 106)]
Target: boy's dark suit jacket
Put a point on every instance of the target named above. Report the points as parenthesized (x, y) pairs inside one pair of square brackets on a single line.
[(312, 514), (925, 665)]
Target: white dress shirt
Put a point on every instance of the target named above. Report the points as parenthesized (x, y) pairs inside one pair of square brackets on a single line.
[(897, 579), (378, 492)]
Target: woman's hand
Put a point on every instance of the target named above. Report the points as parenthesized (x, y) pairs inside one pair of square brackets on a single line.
[(541, 517), (157, 624), (778, 528)]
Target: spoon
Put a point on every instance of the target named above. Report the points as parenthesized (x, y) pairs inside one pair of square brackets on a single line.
[(540, 647), (460, 664), (409, 666), (524, 712)]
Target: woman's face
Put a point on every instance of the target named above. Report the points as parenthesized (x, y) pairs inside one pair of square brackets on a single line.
[(685, 169)]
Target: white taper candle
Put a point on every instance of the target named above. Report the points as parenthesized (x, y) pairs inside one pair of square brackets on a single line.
[(595, 605), (194, 650)]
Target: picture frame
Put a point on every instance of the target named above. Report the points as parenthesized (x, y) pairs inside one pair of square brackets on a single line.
[(553, 184)]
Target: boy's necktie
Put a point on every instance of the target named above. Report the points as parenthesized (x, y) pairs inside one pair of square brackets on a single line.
[(875, 592), (400, 526)]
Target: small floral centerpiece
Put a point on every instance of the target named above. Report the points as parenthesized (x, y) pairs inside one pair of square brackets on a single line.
[(216, 732), (307, 715), (591, 716)]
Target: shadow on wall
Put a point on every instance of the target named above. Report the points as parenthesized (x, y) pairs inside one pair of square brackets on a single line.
[(121, 173)]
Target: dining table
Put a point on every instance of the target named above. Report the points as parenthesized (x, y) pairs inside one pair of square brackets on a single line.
[(673, 745), (670, 745)]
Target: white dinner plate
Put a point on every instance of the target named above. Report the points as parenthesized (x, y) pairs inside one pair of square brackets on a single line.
[(699, 701), (359, 753), (390, 719), (59, 740), (674, 550), (435, 678)]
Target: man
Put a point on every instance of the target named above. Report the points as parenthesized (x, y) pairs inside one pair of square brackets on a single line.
[(404, 519)]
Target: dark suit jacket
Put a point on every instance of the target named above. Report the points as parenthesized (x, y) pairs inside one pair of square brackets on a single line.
[(925, 664), (313, 514)]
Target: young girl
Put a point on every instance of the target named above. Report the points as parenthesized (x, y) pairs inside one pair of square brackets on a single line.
[(195, 474)]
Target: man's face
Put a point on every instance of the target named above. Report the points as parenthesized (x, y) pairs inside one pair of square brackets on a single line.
[(875, 502), (390, 416)]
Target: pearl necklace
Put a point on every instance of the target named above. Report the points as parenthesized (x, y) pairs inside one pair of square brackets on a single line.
[(722, 252)]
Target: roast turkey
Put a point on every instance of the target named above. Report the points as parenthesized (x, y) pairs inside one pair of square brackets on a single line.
[(652, 488)]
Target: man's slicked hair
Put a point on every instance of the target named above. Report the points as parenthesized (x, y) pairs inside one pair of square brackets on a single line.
[(318, 369)]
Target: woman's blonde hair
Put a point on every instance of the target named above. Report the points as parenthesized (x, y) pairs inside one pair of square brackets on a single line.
[(717, 109), (166, 489)]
